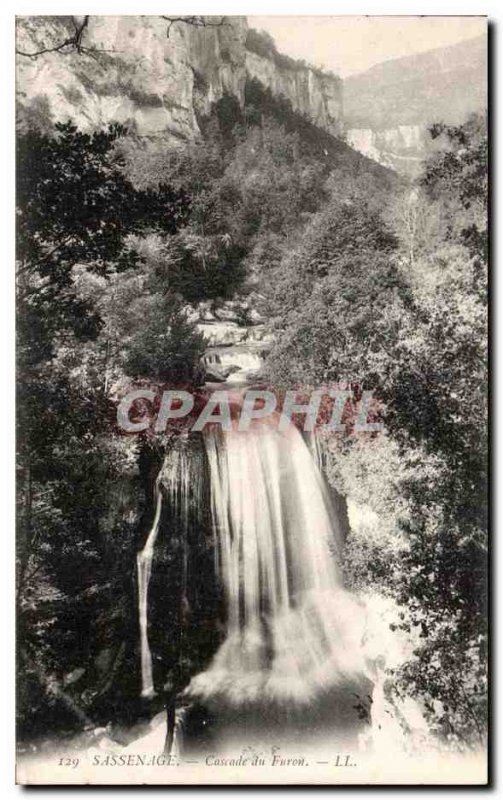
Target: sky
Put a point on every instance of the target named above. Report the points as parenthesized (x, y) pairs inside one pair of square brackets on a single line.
[(348, 45)]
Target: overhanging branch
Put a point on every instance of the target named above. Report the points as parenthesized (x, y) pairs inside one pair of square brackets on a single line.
[(195, 21), (72, 44)]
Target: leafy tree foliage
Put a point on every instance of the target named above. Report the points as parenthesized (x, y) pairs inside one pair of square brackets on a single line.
[(115, 241), (356, 293), (78, 525), (254, 183), (75, 205), (120, 242), (399, 303)]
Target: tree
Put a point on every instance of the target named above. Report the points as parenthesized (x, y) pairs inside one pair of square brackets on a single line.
[(351, 304), (77, 525), (75, 204), (337, 298)]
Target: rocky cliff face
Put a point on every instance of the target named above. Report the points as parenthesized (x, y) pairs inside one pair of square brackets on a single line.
[(401, 148), (388, 109), (133, 72), (317, 95)]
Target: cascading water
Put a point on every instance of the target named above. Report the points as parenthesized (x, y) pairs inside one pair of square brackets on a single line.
[(144, 565), (292, 631), (300, 656), (241, 357), (293, 635), (178, 484)]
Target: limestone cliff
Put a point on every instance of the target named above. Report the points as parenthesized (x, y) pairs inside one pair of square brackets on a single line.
[(388, 109), (133, 72), (401, 148), (311, 92)]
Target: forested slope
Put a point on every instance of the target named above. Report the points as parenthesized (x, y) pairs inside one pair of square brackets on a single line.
[(364, 279)]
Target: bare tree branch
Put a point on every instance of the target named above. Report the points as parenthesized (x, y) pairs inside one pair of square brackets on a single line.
[(195, 21), (73, 44)]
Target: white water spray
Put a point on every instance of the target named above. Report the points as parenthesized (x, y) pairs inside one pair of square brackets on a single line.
[(245, 358), (144, 565), (179, 480), (292, 631), (293, 634)]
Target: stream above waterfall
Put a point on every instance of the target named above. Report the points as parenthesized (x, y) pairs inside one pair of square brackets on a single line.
[(236, 363)]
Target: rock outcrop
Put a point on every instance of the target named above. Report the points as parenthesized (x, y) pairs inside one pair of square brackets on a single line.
[(387, 110), (157, 78), (401, 148), (313, 93)]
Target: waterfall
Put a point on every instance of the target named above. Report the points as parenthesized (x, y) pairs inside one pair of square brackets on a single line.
[(244, 358), (179, 483), (292, 631), (316, 449), (144, 566), (294, 640)]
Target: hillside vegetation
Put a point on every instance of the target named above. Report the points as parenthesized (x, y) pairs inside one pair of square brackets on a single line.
[(364, 279)]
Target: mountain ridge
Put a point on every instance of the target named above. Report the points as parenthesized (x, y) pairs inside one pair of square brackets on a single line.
[(389, 108)]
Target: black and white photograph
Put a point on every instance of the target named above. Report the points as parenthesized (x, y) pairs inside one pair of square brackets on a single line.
[(252, 399)]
